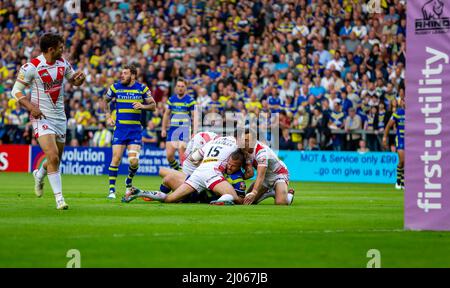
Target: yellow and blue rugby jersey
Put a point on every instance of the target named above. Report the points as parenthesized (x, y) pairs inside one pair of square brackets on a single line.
[(126, 116), (399, 118), (237, 181), (180, 109), (337, 118)]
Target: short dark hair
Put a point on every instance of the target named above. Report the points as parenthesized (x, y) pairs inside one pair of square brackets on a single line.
[(49, 40), (238, 155), (132, 69)]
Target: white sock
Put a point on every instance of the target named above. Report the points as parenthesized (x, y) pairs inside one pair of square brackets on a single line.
[(41, 173), (225, 197), (155, 195), (55, 181), (290, 197)]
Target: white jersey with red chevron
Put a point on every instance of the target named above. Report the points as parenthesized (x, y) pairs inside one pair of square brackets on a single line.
[(263, 155), (198, 141), (47, 83), (210, 172)]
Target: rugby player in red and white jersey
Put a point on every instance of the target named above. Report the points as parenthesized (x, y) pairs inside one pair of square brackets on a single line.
[(213, 159), (46, 75), (172, 179), (272, 175)]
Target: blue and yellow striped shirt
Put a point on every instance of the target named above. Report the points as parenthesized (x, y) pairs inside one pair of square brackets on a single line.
[(399, 118), (180, 109), (126, 116), (237, 181)]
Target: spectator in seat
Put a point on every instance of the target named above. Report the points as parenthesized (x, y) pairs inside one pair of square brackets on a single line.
[(352, 124)]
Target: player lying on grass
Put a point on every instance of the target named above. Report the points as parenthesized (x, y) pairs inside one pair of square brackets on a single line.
[(233, 175), (214, 158), (172, 179), (272, 175)]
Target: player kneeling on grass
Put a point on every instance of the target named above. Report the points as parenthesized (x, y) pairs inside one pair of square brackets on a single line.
[(233, 175), (272, 178), (215, 159)]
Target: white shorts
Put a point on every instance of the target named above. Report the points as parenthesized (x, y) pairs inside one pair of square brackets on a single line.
[(50, 126), (188, 167), (272, 179), (203, 179)]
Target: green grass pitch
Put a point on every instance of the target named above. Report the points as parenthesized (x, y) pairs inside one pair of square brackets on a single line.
[(329, 225)]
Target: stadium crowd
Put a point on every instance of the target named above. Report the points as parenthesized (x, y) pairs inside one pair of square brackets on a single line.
[(329, 68)]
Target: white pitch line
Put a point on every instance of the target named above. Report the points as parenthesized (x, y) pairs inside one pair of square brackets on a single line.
[(226, 233)]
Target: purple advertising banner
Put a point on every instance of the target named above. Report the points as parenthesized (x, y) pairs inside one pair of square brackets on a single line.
[(427, 166)]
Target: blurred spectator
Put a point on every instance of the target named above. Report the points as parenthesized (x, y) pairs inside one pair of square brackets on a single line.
[(336, 124), (352, 124), (301, 121), (149, 135), (371, 126), (102, 137), (285, 140), (312, 145), (362, 147)]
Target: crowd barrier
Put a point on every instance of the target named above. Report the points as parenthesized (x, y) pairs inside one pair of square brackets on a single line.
[(321, 166)]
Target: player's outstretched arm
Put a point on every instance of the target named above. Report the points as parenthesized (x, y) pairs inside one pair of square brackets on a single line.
[(254, 194)]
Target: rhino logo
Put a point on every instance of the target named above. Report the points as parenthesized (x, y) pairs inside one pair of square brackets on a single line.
[(432, 9)]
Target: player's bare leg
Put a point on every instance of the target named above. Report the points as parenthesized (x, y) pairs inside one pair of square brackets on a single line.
[(53, 152), (400, 170), (179, 194), (114, 169), (174, 180), (281, 193), (271, 193), (39, 175), (228, 194), (163, 172), (171, 147), (181, 146), (133, 160)]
